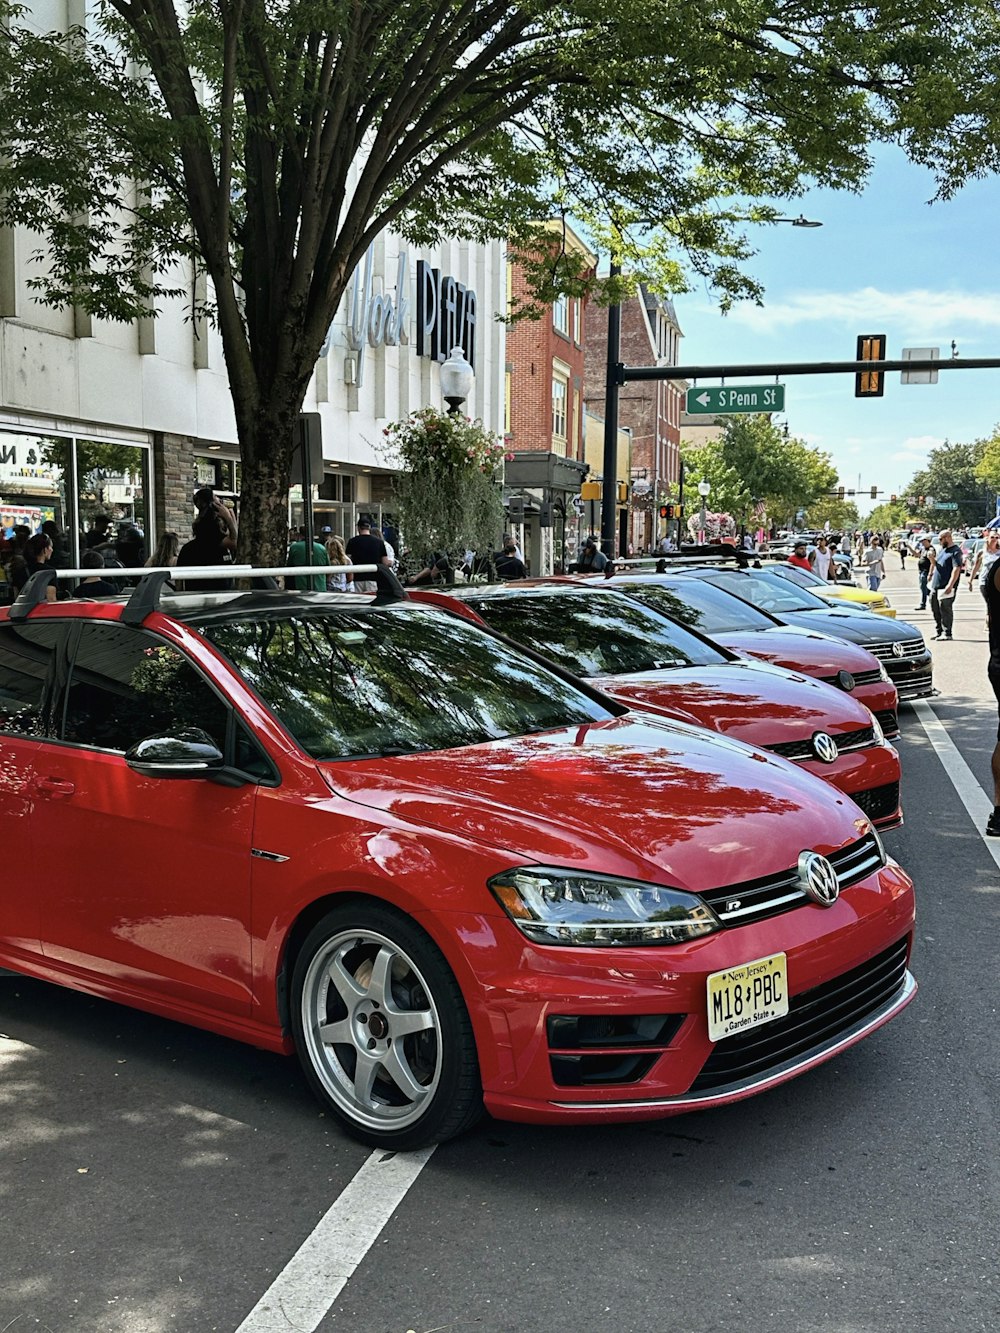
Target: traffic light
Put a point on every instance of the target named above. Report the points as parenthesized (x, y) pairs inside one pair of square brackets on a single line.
[(590, 490), (515, 509), (893, 499), (670, 511), (874, 492), (840, 492), (623, 492), (870, 383), (920, 501), (666, 511)]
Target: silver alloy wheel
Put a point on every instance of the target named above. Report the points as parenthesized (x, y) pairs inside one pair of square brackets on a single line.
[(371, 1029)]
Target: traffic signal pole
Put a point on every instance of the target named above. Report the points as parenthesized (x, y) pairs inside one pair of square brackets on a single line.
[(609, 490), (632, 374)]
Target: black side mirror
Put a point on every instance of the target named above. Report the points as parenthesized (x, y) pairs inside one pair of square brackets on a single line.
[(186, 753)]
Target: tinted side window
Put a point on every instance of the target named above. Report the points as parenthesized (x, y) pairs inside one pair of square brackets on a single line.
[(26, 652), (126, 685)]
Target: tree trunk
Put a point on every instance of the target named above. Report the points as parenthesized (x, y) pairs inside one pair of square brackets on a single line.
[(266, 444)]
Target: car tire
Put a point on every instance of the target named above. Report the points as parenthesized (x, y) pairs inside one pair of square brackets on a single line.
[(382, 1030)]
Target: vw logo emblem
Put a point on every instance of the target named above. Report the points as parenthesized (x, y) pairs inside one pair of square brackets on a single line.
[(897, 649), (845, 680), (825, 747), (819, 879)]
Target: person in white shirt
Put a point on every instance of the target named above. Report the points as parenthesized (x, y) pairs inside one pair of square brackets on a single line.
[(821, 559)]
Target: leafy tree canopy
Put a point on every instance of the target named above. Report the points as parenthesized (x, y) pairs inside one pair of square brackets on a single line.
[(268, 144), (951, 475), (842, 515)]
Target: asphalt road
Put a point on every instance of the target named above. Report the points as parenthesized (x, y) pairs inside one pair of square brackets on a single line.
[(155, 1178)]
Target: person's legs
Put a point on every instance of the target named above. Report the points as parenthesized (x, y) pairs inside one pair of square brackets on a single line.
[(923, 592), (993, 823), (947, 606), (936, 613)]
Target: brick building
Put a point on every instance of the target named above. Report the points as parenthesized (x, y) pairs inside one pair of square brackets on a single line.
[(650, 336), (544, 417)]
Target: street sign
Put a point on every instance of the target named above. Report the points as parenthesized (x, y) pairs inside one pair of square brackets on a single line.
[(945, 504), (920, 354), (722, 400)]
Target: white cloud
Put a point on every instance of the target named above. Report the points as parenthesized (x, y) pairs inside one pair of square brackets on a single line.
[(922, 313)]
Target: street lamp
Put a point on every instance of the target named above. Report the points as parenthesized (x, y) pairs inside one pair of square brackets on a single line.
[(704, 490), (800, 221), (457, 379)]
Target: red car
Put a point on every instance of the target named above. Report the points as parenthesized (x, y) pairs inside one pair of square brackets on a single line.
[(657, 665), (751, 632), (446, 874)]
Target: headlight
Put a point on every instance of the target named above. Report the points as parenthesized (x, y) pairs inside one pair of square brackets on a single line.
[(883, 674), (880, 843), (885, 600), (877, 729), (569, 907)]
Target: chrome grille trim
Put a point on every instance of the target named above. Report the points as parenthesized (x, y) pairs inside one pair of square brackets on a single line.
[(883, 651), (846, 742), (761, 898)]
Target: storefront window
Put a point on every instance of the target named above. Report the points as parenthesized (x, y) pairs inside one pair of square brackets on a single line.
[(37, 484)]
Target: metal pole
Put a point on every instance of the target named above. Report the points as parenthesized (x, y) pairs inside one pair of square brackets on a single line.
[(609, 489), (632, 374), (680, 504)]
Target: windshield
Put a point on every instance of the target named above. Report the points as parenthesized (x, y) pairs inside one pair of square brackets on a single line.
[(802, 577), (767, 591), (351, 685), (701, 605), (594, 633)]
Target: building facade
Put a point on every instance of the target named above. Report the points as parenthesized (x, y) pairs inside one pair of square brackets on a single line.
[(650, 336)]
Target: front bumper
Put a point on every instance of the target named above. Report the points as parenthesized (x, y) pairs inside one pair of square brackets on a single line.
[(647, 1052)]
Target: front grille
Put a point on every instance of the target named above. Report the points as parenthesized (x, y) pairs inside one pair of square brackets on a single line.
[(878, 802), (847, 741), (757, 899), (859, 677), (888, 721), (916, 686), (589, 1049), (814, 1018), (911, 648)]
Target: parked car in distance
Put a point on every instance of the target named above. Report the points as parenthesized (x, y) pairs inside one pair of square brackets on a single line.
[(898, 645), (652, 663), (863, 598), (380, 836), (747, 630)]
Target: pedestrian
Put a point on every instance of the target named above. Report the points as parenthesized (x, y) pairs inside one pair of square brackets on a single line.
[(799, 556), (822, 560), (944, 584), (299, 555), (213, 539), (874, 563), (507, 564), (592, 559), (904, 551), (925, 565), (985, 557), (365, 548), (36, 555), (93, 585), (991, 591), (166, 551), (336, 554)]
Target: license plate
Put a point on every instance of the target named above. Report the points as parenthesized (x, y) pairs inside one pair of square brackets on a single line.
[(746, 996)]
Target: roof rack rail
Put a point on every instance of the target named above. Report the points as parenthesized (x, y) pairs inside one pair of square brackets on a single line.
[(145, 597), (34, 592)]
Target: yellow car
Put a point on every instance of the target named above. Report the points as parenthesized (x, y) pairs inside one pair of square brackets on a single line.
[(861, 598)]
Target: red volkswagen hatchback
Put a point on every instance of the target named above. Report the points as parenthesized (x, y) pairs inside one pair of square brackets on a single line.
[(447, 875), (652, 663)]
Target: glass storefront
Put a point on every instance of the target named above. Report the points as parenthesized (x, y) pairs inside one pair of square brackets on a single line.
[(75, 483)]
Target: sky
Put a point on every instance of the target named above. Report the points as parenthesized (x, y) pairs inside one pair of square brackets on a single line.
[(885, 261)]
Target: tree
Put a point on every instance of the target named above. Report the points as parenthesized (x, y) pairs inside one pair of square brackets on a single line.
[(267, 145), (842, 515), (951, 477), (887, 517), (987, 469), (707, 463)]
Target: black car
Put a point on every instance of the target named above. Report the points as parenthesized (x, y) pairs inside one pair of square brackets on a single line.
[(898, 645)]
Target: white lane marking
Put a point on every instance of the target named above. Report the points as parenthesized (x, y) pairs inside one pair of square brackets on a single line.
[(965, 782), (302, 1293)]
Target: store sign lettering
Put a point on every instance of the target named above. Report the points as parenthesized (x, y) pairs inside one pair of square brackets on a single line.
[(8, 456), (446, 313)]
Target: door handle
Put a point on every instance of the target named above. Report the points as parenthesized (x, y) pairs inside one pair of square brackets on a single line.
[(56, 787)]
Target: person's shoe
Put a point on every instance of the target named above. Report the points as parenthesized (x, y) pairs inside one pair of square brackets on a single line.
[(947, 636), (993, 823), (939, 635)]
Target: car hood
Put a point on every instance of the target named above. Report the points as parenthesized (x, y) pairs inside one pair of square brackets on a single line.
[(635, 796), (798, 650), (748, 701), (857, 626)]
